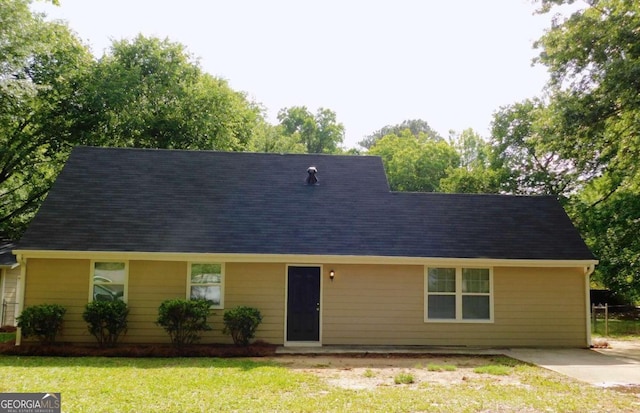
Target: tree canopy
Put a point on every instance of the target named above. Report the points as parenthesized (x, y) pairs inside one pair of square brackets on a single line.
[(415, 163), (144, 92), (415, 126), (42, 65), (319, 133), (582, 141)]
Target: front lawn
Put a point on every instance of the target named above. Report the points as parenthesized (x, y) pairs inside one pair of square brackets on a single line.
[(97, 384)]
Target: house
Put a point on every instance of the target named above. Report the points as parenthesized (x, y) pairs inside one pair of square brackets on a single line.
[(9, 274), (318, 243)]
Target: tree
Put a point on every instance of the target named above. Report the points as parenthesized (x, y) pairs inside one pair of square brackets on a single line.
[(525, 149), (475, 174), (415, 163), (319, 134), (271, 139), (146, 93), (594, 60), (593, 108), (150, 93), (415, 126), (41, 67)]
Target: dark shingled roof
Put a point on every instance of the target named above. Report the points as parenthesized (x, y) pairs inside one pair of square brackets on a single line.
[(109, 199)]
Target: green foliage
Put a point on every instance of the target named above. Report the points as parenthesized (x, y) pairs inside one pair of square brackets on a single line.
[(43, 321), (144, 93), (415, 163), (403, 378), (525, 149), (41, 68), (417, 127), (594, 112), (476, 172), (7, 337), (106, 320), (495, 370), (439, 367), (151, 93), (318, 134), (241, 323), (271, 139), (184, 320)]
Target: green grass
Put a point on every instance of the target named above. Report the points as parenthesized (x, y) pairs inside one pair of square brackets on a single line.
[(4, 337), (93, 384), (368, 373), (624, 329), (403, 378), (499, 366), (493, 369), (443, 367)]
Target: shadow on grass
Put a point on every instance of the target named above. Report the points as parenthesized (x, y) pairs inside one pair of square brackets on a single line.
[(258, 349), (33, 362)]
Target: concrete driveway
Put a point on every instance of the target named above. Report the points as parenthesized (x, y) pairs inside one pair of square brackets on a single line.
[(616, 366)]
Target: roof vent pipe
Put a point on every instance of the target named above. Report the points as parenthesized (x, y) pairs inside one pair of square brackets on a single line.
[(312, 179)]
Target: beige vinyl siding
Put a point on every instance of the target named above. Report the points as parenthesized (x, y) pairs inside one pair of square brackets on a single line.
[(385, 305), (363, 305), (9, 298), (150, 283), (256, 285), (261, 286), (64, 282)]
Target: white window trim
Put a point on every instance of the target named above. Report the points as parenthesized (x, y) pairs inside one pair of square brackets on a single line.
[(459, 294), (125, 296), (222, 281)]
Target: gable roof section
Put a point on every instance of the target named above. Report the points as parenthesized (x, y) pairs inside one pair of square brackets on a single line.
[(109, 199)]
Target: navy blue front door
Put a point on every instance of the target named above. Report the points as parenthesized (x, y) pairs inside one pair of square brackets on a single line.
[(303, 304)]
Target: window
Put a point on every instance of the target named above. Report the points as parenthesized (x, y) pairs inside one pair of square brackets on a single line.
[(458, 294), (108, 281), (206, 282)]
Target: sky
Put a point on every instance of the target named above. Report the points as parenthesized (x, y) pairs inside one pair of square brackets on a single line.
[(452, 63)]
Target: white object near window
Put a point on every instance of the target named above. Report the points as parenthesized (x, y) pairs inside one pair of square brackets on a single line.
[(459, 294), (206, 282)]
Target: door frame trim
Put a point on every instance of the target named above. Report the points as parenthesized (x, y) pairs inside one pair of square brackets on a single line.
[(286, 308)]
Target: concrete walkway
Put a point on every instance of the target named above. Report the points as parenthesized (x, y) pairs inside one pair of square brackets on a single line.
[(591, 366), (616, 366)]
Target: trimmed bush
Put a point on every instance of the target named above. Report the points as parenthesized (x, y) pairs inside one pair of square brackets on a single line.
[(43, 321), (183, 320), (241, 323), (106, 320)]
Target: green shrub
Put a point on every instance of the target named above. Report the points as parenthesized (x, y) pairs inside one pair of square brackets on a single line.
[(183, 320), (403, 378), (43, 321), (106, 320), (241, 322)]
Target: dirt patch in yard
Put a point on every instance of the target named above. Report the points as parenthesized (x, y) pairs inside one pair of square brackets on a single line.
[(371, 371)]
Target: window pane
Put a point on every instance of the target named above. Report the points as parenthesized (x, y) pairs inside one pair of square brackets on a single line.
[(209, 293), (442, 280), (206, 273), (108, 292), (475, 307), (475, 280), (442, 306), (109, 272)]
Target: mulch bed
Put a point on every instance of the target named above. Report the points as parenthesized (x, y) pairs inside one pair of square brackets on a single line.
[(258, 349)]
